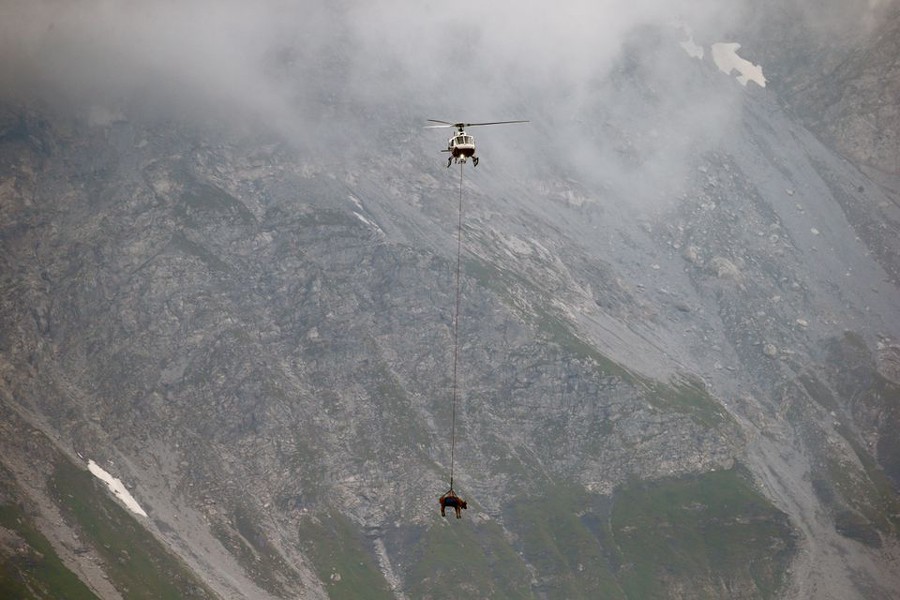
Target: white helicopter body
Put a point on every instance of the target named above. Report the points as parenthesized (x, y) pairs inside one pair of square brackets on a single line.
[(462, 145)]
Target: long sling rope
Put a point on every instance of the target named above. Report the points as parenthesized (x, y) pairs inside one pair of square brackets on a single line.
[(456, 328)]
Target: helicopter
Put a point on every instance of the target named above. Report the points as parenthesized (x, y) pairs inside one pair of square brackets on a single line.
[(462, 145)]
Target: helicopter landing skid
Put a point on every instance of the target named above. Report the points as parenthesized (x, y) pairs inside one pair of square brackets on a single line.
[(461, 160)]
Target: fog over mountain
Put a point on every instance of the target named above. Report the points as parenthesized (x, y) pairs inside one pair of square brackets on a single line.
[(328, 74), (227, 295), (338, 71)]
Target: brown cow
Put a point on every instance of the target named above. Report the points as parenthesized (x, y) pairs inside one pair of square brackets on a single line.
[(454, 501)]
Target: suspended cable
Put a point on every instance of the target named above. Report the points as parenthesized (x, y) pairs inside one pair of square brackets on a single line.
[(456, 327)]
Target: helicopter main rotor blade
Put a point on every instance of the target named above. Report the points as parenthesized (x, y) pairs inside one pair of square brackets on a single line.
[(492, 123), (462, 125)]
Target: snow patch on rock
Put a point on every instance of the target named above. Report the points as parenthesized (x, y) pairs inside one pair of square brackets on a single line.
[(726, 58), (117, 488)]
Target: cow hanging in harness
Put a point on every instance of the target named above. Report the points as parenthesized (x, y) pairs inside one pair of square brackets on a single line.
[(455, 502)]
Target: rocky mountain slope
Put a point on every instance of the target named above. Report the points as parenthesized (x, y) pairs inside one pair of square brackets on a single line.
[(838, 75), (678, 339)]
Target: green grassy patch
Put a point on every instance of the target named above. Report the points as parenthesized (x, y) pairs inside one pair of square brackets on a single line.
[(567, 544), (459, 557), (32, 569), (687, 395), (553, 328), (856, 527), (486, 274), (342, 559), (888, 448), (712, 533), (138, 565), (559, 332), (684, 394), (883, 396), (869, 492)]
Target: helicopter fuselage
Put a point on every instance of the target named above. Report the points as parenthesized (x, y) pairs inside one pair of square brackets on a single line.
[(461, 146)]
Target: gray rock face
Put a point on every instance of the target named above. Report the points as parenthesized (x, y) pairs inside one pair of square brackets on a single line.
[(660, 359), (835, 68)]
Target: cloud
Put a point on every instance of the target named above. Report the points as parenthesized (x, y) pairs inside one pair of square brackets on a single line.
[(282, 57), (230, 51), (179, 55), (339, 73)]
